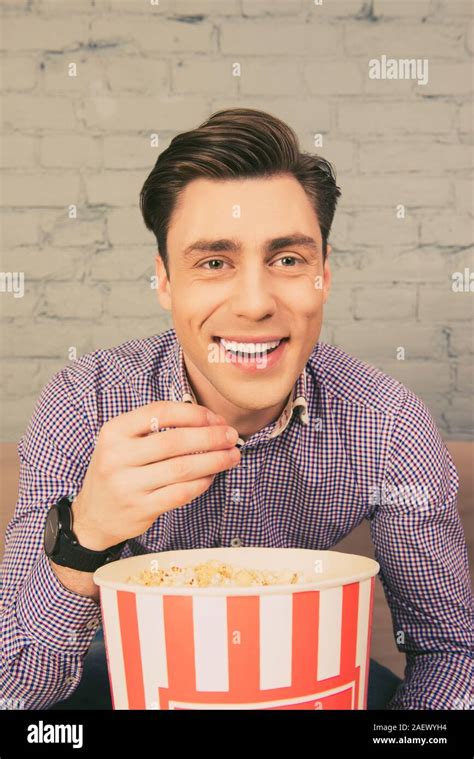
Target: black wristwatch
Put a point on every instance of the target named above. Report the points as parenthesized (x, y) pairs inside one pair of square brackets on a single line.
[(62, 546)]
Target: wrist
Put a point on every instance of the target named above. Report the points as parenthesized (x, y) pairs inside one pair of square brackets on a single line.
[(87, 536)]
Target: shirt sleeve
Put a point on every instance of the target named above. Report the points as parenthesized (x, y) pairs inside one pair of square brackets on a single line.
[(420, 546), (46, 629)]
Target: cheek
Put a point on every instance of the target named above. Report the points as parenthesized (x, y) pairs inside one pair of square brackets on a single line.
[(303, 296)]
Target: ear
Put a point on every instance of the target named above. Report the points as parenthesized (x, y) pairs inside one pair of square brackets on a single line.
[(327, 278), (164, 288)]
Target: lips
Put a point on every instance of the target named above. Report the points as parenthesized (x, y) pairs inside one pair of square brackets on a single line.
[(255, 348)]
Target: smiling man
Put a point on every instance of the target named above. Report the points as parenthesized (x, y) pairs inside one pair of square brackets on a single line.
[(266, 435), (251, 278)]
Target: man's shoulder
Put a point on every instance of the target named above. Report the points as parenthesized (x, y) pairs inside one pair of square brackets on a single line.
[(352, 381), (100, 370)]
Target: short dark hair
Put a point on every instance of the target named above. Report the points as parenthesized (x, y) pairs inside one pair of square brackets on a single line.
[(235, 143)]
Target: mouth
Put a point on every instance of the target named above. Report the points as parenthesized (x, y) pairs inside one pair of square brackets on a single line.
[(253, 350)]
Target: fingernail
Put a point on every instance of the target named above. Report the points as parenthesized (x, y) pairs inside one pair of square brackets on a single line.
[(231, 435)]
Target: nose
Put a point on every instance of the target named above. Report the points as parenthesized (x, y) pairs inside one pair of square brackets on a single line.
[(253, 296)]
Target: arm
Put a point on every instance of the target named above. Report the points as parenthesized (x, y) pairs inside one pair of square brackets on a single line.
[(46, 628), (420, 546)]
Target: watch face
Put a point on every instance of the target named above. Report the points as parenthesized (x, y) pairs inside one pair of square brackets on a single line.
[(51, 531)]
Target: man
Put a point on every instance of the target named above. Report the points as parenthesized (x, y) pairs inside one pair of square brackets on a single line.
[(235, 428)]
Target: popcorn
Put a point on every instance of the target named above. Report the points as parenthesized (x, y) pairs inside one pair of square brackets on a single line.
[(215, 573)]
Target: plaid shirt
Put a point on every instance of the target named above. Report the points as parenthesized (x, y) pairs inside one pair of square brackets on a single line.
[(351, 444)]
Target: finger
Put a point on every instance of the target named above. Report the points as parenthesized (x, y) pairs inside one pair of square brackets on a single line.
[(179, 442), (153, 416), (182, 469), (159, 501)]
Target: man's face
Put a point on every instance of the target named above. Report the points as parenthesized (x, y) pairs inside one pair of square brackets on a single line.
[(237, 289)]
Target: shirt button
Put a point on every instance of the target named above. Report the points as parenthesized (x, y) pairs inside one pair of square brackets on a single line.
[(235, 496), (236, 542), (70, 680), (92, 624)]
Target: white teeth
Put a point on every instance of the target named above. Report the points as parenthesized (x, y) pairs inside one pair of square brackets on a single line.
[(250, 348)]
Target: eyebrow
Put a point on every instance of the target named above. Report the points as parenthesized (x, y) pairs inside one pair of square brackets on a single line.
[(231, 245)]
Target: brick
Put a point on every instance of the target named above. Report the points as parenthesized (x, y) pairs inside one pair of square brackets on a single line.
[(338, 9), (412, 265), (90, 73), (448, 79), (395, 118), (466, 117), (178, 8), (465, 377), (114, 188), (143, 114), (270, 77), (396, 9), (425, 156), (72, 300), (460, 340), (70, 151), (133, 299), (130, 152), (131, 72), (345, 268), (274, 8), (442, 305), (37, 112), (382, 227), (447, 229), (470, 37), (18, 228), (289, 39), (208, 76), (339, 237), (78, 232), (339, 306), (418, 341), (32, 32), (424, 378), (463, 194), (45, 189), (113, 330), (333, 78), (371, 40), (48, 263), (461, 416), (23, 306), (384, 303), (341, 153), (18, 74), (119, 263), (46, 337), (19, 377), (409, 190), (126, 227), (450, 8), (206, 7), (166, 36), (17, 151)]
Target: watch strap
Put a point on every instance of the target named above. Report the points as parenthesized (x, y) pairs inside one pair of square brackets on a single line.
[(68, 552)]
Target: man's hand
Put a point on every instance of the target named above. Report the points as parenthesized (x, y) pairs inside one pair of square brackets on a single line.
[(135, 474)]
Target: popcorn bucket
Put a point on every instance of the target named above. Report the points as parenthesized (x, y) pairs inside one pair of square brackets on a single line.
[(297, 646)]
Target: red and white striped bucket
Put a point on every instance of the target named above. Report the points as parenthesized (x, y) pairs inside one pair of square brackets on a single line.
[(261, 647)]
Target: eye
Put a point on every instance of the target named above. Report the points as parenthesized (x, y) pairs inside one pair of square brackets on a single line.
[(212, 264), (289, 261)]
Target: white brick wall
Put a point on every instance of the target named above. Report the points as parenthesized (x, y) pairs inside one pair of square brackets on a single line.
[(144, 69)]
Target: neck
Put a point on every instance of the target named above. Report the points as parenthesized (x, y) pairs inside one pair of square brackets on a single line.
[(245, 421)]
